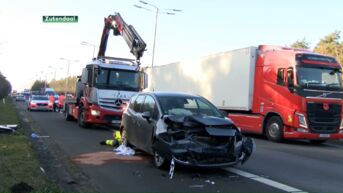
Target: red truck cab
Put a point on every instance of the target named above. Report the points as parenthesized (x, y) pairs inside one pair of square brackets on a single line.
[(297, 94)]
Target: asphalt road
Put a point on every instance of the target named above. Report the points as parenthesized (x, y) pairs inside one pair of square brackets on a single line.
[(292, 166)]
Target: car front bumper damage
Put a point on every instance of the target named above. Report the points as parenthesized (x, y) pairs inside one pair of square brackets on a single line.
[(204, 145)]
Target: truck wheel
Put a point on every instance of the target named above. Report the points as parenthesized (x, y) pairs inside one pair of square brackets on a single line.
[(67, 115), (274, 129), (81, 118)]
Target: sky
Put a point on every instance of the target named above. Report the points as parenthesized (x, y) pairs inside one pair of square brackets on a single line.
[(31, 50)]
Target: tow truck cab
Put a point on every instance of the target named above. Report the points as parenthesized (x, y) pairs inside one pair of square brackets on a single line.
[(108, 87)]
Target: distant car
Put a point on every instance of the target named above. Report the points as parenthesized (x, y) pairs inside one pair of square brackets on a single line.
[(183, 127), (20, 98), (39, 102)]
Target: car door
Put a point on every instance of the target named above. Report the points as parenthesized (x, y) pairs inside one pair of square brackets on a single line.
[(147, 125), (127, 118), (133, 131)]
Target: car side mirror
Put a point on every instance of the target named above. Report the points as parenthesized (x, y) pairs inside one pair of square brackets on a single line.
[(146, 115), (224, 113)]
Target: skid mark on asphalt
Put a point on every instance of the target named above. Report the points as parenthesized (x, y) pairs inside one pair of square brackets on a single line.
[(266, 181), (104, 157)]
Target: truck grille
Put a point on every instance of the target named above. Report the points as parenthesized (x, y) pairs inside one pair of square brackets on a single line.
[(321, 120), (110, 104)]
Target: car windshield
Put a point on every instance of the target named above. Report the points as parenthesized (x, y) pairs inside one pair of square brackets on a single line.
[(184, 105), (41, 98), (311, 77), (117, 79)]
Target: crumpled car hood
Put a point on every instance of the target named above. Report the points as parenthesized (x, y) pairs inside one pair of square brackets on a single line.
[(213, 125), (199, 119)]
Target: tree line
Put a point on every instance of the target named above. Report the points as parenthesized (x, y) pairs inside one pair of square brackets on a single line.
[(5, 86), (330, 45), (58, 85)]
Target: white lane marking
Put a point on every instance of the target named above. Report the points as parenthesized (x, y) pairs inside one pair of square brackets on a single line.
[(266, 181)]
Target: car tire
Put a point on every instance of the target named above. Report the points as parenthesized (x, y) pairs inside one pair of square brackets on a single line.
[(274, 129), (80, 119), (318, 142), (159, 161), (68, 117)]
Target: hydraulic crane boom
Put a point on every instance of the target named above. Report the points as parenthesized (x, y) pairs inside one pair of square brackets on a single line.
[(119, 27)]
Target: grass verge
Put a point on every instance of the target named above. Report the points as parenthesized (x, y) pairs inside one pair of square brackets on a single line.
[(18, 161)]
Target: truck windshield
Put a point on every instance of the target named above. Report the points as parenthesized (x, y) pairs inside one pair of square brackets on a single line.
[(319, 78), (117, 79)]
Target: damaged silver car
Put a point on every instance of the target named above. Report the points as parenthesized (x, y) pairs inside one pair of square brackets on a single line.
[(185, 128)]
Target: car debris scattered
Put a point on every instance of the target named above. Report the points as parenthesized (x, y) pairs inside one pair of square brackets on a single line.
[(35, 136), (171, 169), (124, 150), (8, 128)]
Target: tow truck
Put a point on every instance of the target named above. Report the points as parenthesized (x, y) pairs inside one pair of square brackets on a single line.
[(107, 83)]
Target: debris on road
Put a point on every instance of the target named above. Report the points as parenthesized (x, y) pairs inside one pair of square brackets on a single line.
[(124, 150), (137, 173), (42, 169), (210, 182), (197, 186), (35, 136), (8, 128), (171, 170)]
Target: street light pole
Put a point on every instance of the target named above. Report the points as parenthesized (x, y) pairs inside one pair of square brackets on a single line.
[(66, 84), (153, 48), (89, 44), (55, 69), (157, 11)]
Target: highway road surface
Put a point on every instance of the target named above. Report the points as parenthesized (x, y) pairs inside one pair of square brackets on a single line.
[(291, 166)]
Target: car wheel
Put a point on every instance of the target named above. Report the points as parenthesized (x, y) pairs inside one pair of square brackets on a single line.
[(81, 118), (274, 129), (318, 142), (68, 117), (159, 161)]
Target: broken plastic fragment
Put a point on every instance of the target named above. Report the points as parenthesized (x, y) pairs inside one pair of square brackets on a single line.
[(171, 170), (35, 136), (8, 128), (124, 150), (196, 186)]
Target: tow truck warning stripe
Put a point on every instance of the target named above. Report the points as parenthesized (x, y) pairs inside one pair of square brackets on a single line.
[(265, 181)]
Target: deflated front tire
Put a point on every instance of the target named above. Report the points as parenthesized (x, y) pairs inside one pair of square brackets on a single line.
[(248, 147)]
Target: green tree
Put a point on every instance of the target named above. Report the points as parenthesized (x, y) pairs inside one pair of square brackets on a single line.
[(60, 85), (301, 44), (5, 86), (38, 85), (332, 46)]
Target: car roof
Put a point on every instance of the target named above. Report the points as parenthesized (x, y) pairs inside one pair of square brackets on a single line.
[(170, 94)]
